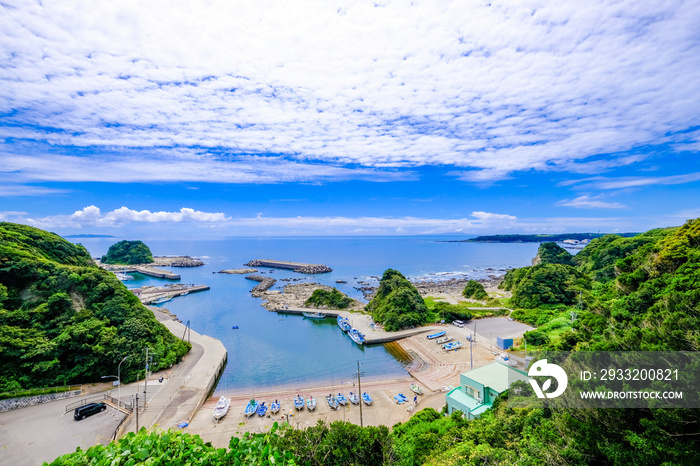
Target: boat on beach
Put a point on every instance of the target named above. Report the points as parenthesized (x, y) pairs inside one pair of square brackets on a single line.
[(416, 389), (452, 346), (314, 315), (341, 399), (275, 407), (444, 339), (311, 403), (400, 398), (251, 408), (221, 407), (436, 335), (344, 324), (356, 336), (332, 402), (262, 409), (299, 402), (354, 399), (366, 398)]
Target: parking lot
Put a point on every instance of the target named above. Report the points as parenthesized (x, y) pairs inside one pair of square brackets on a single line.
[(490, 328)]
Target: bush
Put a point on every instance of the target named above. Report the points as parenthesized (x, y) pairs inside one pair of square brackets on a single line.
[(397, 303), (333, 299), (128, 252), (475, 290)]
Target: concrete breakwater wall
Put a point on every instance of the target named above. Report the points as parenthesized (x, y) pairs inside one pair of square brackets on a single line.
[(294, 266), (265, 284), (16, 403)]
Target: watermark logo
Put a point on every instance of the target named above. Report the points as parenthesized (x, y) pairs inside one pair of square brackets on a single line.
[(542, 368)]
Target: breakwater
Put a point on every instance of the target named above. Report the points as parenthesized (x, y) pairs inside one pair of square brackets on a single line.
[(265, 284), (293, 266)]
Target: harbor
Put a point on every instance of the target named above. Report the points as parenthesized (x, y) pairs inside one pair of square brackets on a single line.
[(161, 294)]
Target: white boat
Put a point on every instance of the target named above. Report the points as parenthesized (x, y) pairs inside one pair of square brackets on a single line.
[(162, 299), (314, 315), (366, 398), (354, 399), (311, 403), (452, 346), (221, 407), (443, 340), (123, 277)]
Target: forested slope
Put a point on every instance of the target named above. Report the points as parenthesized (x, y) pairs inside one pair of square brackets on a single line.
[(63, 320)]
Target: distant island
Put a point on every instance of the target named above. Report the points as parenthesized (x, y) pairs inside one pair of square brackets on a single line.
[(89, 236), (578, 237)]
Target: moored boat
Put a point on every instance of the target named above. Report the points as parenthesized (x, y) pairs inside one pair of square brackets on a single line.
[(262, 409), (436, 335), (366, 398), (356, 336), (314, 315), (354, 399), (162, 299), (416, 389), (311, 403), (299, 402), (221, 407), (344, 324), (275, 407), (341, 399), (332, 402), (251, 408)]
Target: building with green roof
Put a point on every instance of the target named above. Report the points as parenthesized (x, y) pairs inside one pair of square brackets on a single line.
[(480, 387)]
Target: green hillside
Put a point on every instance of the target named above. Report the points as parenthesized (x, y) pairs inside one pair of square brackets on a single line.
[(397, 303), (129, 253), (63, 320)]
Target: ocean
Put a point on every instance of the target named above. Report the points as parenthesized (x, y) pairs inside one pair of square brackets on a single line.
[(270, 350)]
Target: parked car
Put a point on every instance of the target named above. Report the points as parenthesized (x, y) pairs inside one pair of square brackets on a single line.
[(89, 409)]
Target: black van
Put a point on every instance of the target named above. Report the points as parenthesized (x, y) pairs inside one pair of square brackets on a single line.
[(88, 410)]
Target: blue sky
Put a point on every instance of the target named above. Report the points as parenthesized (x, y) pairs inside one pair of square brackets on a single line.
[(349, 118)]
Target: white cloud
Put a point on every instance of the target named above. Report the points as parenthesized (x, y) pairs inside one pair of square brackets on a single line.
[(588, 202), (600, 182), (492, 87), (92, 216)]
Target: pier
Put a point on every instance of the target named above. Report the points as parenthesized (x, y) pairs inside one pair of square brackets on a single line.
[(149, 294), (362, 322), (142, 269), (293, 266)]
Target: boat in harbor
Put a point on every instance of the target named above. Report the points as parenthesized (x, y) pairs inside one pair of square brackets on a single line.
[(299, 402), (344, 324), (354, 399), (356, 336), (444, 339), (341, 399), (311, 403), (221, 407), (436, 335), (251, 408), (314, 315), (416, 389), (332, 402), (162, 299), (366, 398), (262, 409), (275, 407), (123, 277)]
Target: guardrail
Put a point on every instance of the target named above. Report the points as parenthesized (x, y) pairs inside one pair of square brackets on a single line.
[(39, 391)]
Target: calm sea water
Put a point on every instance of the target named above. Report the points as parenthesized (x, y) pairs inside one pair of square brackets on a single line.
[(272, 350)]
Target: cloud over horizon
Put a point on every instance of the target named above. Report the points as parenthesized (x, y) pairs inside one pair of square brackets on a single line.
[(342, 91)]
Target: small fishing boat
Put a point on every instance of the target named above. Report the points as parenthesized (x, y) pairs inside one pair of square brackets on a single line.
[(162, 299), (123, 277), (436, 335), (262, 409), (354, 399), (341, 399), (332, 402), (400, 398), (444, 339), (311, 403), (299, 402), (366, 398), (275, 407), (251, 408), (221, 407), (416, 389), (453, 346), (356, 336), (344, 324), (314, 315)]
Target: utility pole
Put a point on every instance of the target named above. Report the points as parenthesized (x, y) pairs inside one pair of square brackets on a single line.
[(137, 401), (145, 382), (359, 388)]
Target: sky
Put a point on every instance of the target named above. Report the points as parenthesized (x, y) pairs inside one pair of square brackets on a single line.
[(238, 118)]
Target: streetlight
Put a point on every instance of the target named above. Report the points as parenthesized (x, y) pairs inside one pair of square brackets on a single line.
[(119, 368)]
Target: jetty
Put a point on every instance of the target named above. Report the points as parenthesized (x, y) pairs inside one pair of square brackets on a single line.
[(150, 294), (265, 284), (293, 266), (142, 269), (373, 333)]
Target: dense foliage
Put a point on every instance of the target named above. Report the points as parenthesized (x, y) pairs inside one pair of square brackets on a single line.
[(552, 253), (539, 238), (397, 303), (475, 290), (180, 449), (128, 252), (544, 284), (63, 320), (333, 299)]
